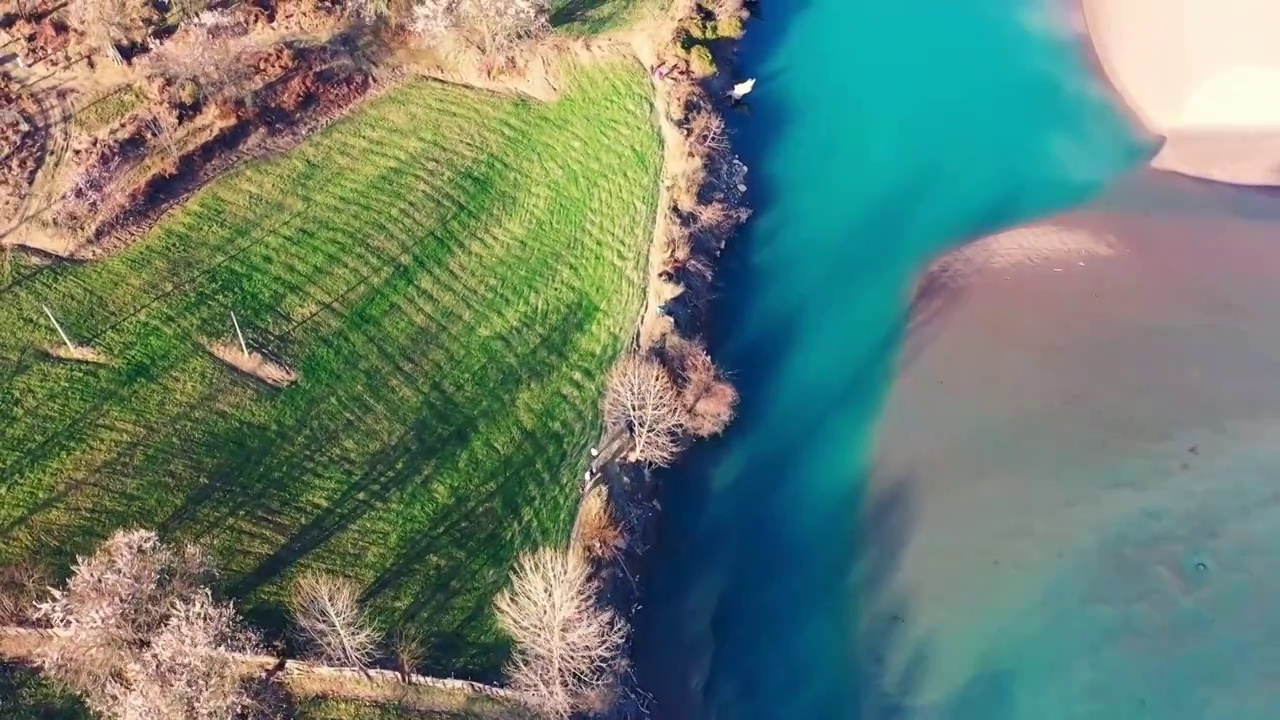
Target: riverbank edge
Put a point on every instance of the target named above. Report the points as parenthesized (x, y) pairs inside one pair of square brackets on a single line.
[(700, 208)]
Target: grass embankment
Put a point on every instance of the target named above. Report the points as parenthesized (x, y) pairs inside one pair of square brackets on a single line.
[(401, 703), (449, 272)]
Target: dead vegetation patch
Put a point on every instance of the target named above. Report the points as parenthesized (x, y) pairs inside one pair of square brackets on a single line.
[(161, 97), (155, 160), (599, 532), (22, 143), (704, 188), (78, 353), (21, 585), (254, 363), (148, 100), (708, 397)]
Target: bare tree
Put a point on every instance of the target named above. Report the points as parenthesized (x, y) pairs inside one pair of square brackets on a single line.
[(104, 22), (327, 610), (567, 648), (187, 670), (706, 131), (141, 637), (409, 646), (369, 10), (641, 399)]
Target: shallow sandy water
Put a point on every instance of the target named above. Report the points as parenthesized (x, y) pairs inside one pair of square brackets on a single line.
[(1088, 453)]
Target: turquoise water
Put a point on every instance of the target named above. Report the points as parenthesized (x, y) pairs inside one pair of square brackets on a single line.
[(880, 133)]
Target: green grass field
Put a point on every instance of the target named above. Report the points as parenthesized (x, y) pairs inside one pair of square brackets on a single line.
[(26, 695), (450, 273)]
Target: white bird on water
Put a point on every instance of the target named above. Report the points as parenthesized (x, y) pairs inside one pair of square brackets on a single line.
[(740, 90)]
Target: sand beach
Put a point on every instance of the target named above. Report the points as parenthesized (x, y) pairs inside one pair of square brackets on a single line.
[(1204, 75)]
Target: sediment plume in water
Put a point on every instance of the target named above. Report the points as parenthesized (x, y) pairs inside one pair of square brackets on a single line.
[(1087, 448)]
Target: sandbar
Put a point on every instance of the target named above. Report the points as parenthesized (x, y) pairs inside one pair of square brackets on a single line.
[(1090, 444), (1203, 74)]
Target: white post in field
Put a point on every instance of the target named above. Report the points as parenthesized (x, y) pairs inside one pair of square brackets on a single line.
[(243, 348), (58, 327)]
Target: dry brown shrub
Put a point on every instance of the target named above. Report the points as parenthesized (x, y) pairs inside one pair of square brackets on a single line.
[(698, 272), (727, 9), (495, 27), (255, 364), (706, 132), (709, 398), (713, 412), (80, 353), (683, 8), (21, 586), (686, 188), (567, 652), (104, 23), (718, 217), (692, 365), (679, 243), (599, 533), (682, 97)]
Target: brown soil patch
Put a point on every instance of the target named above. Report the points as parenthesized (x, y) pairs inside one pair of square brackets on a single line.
[(81, 353), (123, 184), (255, 363), (22, 145)]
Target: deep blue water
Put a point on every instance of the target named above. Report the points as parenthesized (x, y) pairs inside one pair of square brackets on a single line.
[(880, 133)]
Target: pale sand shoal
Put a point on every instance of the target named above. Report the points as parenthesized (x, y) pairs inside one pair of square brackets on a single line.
[(1203, 73), (1092, 453)]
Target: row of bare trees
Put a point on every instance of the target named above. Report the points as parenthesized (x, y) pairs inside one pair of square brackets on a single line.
[(658, 400), (137, 632)]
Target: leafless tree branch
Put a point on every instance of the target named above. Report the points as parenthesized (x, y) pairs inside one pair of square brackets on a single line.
[(567, 648), (327, 610), (641, 399), (143, 639)]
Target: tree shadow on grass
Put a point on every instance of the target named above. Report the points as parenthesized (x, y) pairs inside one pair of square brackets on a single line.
[(459, 557), (27, 695), (243, 476), (587, 17)]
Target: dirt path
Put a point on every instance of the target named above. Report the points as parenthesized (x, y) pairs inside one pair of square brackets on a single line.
[(55, 115)]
